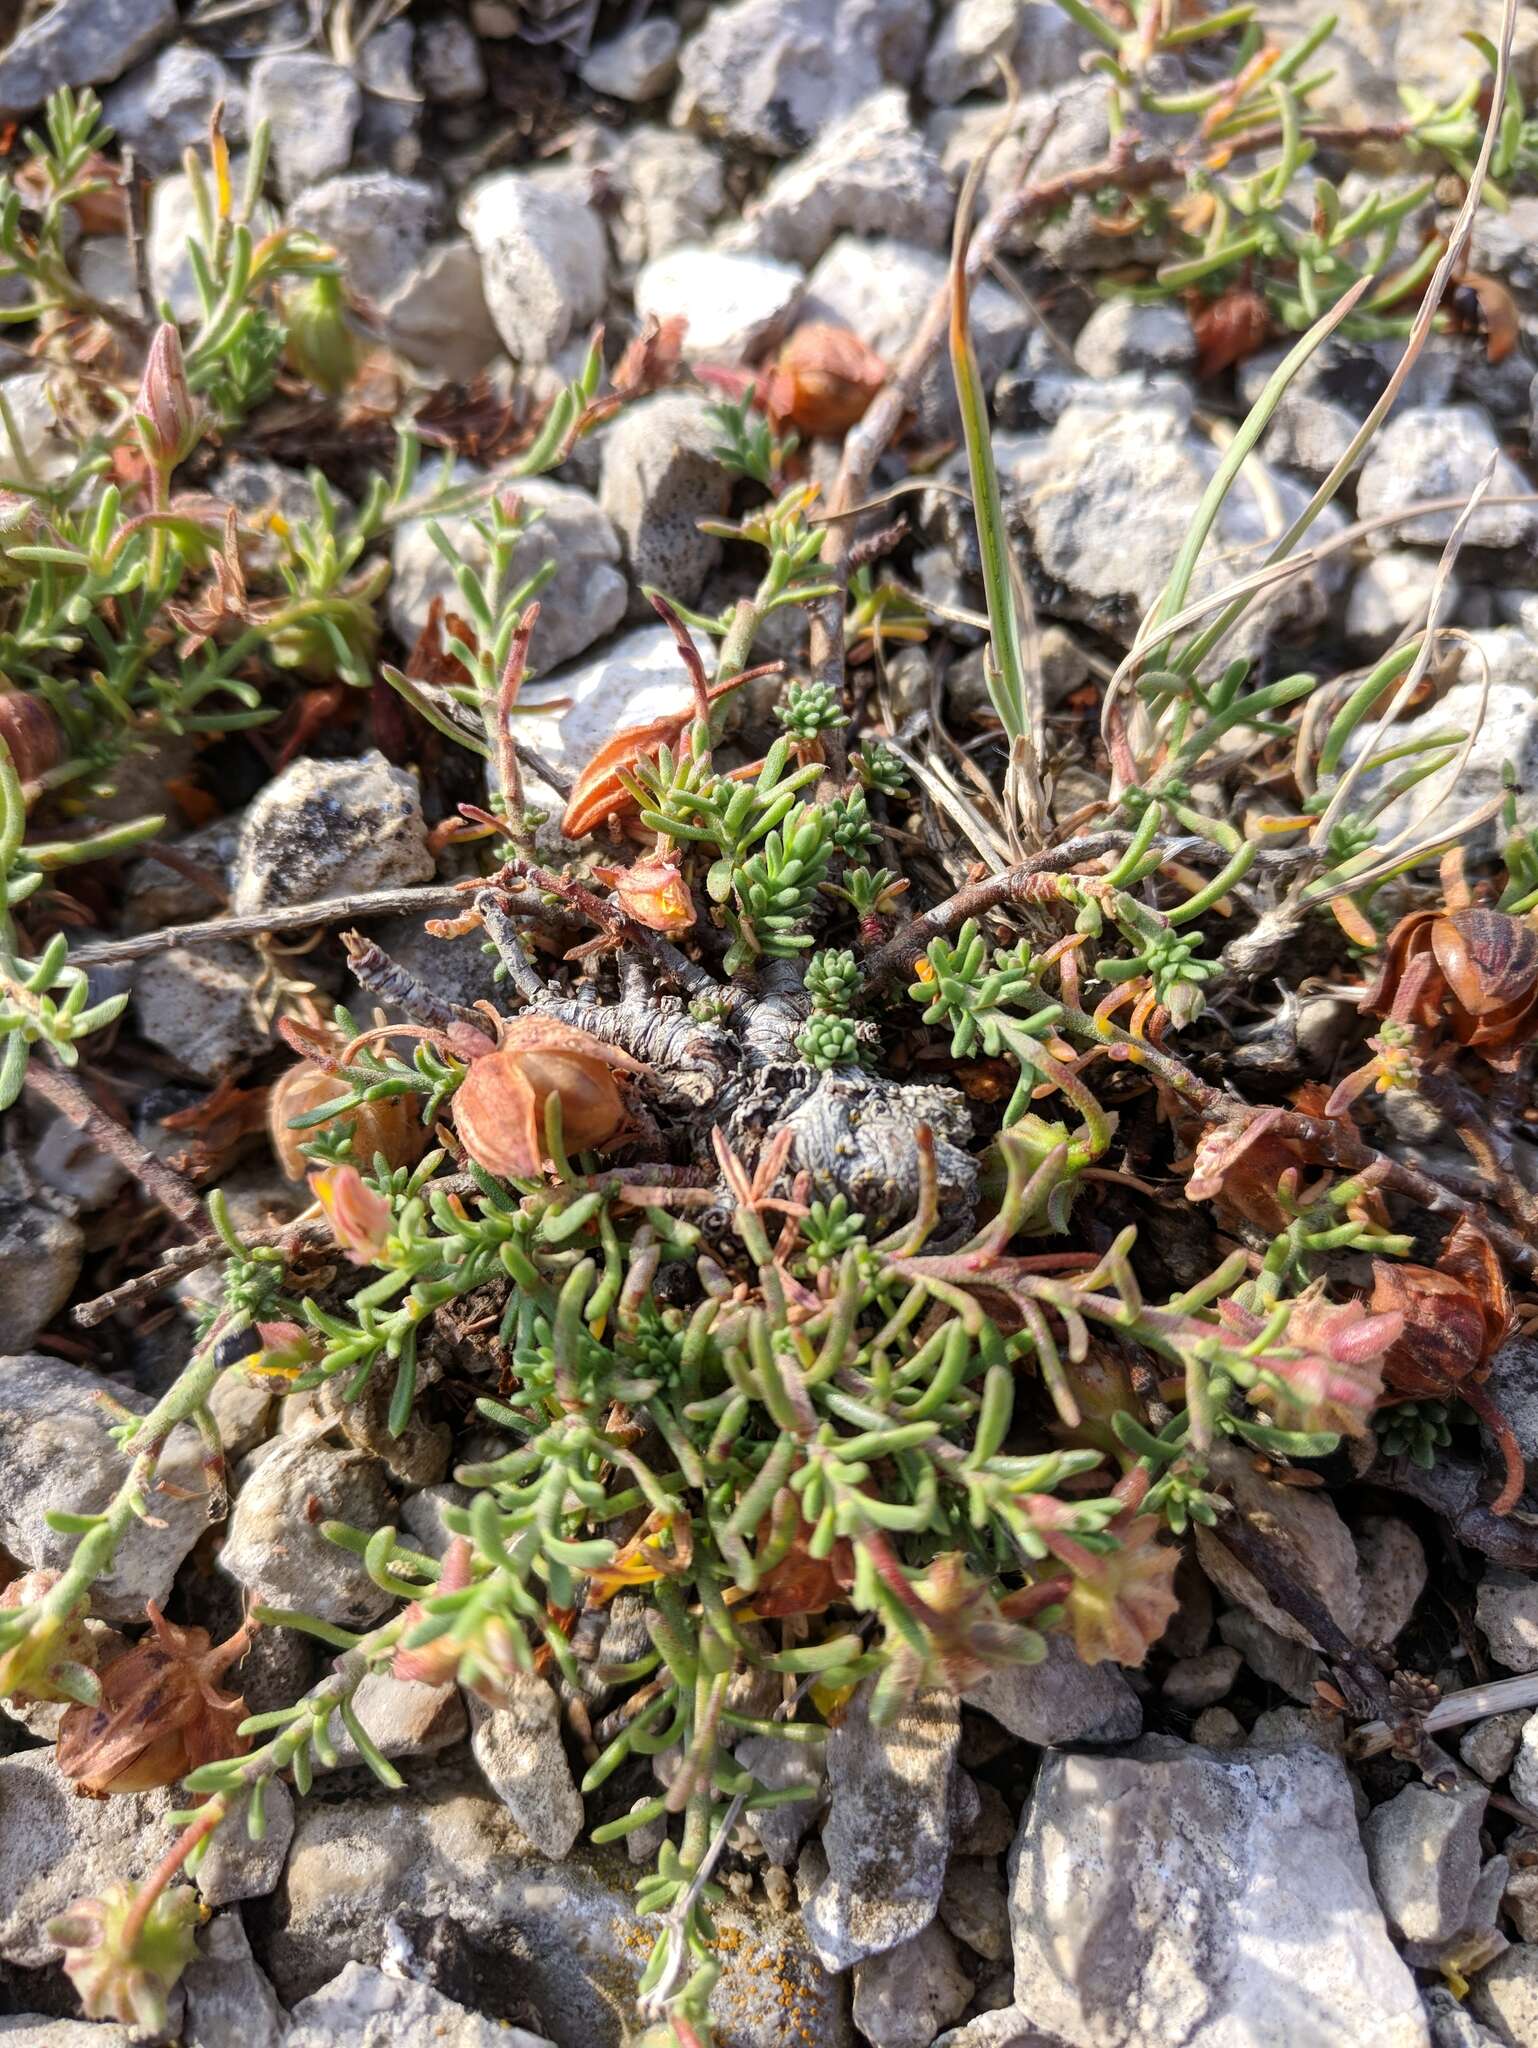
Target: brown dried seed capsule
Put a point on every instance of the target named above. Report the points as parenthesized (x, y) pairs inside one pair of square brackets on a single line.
[(31, 734), (389, 1125)]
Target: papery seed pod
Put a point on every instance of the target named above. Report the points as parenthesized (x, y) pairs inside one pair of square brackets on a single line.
[(31, 734), (499, 1108), (1484, 983), (169, 419), (123, 1968), (823, 380), (321, 343), (389, 1125), (159, 1716), (1228, 329)]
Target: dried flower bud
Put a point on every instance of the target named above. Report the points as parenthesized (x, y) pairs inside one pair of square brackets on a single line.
[(169, 420), (123, 1967), (288, 1349), (321, 344), (1121, 1600), (31, 734), (360, 1220), (387, 1125), (51, 1660), (823, 380), (654, 893), (500, 1105), (159, 1716)]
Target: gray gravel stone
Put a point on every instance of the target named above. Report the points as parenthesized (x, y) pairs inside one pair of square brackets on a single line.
[(1423, 1858), (1305, 1533), (438, 318), (58, 1455), (1505, 728), (566, 1931), (403, 1718), (659, 478), (1207, 1899), (1452, 2025), (519, 1750), (544, 259), (1489, 1747), (80, 42), (1333, 392), (637, 64), (881, 288), (975, 1907), (1061, 1699), (1434, 452), (40, 1255), (737, 305), (45, 438), (905, 1994), (1513, 1387), (887, 1835), (328, 828), (56, 1847), (275, 1548), (235, 1866), (1038, 41), (772, 74), (668, 188), (229, 2000), (378, 223), (871, 173), (162, 110), (1505, 1997), (363, 2008), (449, 65), (1391, 595), (777, 1764), (198, 1004), (583, 601), (313, 106), (1202, 1681), (1524, 1766), (1393, 1568), (1124, 335)]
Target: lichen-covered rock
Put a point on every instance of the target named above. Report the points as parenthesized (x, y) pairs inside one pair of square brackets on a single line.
[(1209, 1899), (58, 1456), (363, 2008), (887, 1834), (329, 828)]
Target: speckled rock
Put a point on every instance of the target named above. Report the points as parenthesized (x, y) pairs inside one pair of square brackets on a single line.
[(1060, 1699), (887, 1834), (1307, 1535), (198, 1004), (228, 1997), (1393, 1568), (275, 1548), (40, 1255), (78, 43), (162, 109), (58, 1455), (1505, 1996), (1434, 452), (519, 1750), (363, 2008), (378, 223), (903, 1995), (314, 107), (329, 828), (438, 317), (1423, 1857)]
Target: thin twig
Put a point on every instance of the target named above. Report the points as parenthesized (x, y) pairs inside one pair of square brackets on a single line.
[(61, 1091), (289, 918)]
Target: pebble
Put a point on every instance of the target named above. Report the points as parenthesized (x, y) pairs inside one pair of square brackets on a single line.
[(313, 106), (1060, 1699), (1124, 335), (1041, 44), (1505, 1996), (1435, 452), (198, 1004), (40, 1258), (1391, 594), (1491, 1745), (377, 221), (1309, 1540), (519, 1750), (1393, 1567), (1156, 1898), (737, 306), (275, 1548), (1506, 1611), (660, 478), (1423, 1857), (237, 1866), (45, 438), (905, 1994), (449, 64), (438, 317), (668, 188), (582, 602), (58, 1456), (772, 74), (228, 1997), (1217, 1728), (887, 1835), (776, 1764), (162, 109), (1202, 1681), (79, 43), (330, 828), (364, 2008), (544, 259), (637, 64), (975, 1907)]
